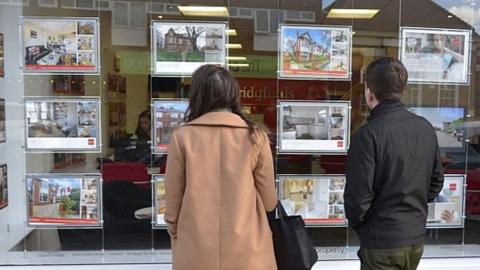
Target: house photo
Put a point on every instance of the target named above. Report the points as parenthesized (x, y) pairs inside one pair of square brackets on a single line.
[(52, 197), (167, 115)]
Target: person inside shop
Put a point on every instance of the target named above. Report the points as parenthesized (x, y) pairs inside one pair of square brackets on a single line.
[(136, 147), (143, 131), (394, 168), (219, 181), (143, 137)]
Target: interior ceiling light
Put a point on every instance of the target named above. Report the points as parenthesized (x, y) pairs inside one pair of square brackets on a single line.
[(233, 46), (236, 58), (204, 11), (232, 32), (238, 65), (340, 13)]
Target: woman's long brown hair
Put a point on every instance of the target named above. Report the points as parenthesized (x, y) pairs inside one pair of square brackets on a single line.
[(212, 88)]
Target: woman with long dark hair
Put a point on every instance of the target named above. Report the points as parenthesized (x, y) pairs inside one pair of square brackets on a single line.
[(219, 181), (143, 126)]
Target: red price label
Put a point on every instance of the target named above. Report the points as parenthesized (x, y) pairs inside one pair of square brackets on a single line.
[(453, 187), (456, 41)]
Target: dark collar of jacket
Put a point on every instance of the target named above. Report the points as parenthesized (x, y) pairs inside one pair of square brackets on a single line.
[(386, 106), (219, 118)]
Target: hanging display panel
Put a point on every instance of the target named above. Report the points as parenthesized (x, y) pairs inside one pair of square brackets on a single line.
[(436, 56), (3, 131), (62, 124), (159, 205), (60, 45), (64, 200), (2, 56), (315, 52), (448, 208), (313, 126), (317, 198), (179, 48), (167, 114), (3, 186)]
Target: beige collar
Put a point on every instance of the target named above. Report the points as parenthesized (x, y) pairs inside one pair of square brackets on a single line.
[(219, 118)]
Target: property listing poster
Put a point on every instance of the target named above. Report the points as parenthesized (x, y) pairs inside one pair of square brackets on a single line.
[(179, 48), (63, 200), (167, 114), (2, 56), (447, 210), (3, 136), (317, 198), (315, 52), (60, 45), (313, 126), (159, 203), (440, 56), (62, 124), (3, 186)]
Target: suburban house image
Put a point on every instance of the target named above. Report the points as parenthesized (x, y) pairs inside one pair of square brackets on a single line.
[(177, 42), (306, 48)]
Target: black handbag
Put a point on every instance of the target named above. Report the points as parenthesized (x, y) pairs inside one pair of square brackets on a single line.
[(293, 247)]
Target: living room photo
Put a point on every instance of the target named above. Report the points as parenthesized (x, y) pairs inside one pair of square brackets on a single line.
[(51, 45)]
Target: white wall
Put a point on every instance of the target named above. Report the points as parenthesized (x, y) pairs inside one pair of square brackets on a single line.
[(12, 227), (42, 35)]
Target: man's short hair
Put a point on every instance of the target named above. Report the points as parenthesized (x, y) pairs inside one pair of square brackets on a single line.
[(386, 77)]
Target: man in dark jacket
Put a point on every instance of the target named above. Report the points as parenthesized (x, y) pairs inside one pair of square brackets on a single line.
[(393, 170)]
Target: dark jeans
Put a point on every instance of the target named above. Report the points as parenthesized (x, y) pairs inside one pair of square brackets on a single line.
[(406, 258)]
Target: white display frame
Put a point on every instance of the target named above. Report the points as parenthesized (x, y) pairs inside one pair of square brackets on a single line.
[(309, 221), (99, 200), (281, 72), (467, 33), (461, 178), (178, 72), (154, 101), (308, 148), (98, 138), (3, 166), (61, 71), (157, 220), (2, 55), (3, 121)]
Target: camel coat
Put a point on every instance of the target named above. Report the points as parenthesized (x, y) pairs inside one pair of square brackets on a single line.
[(218, 187)]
